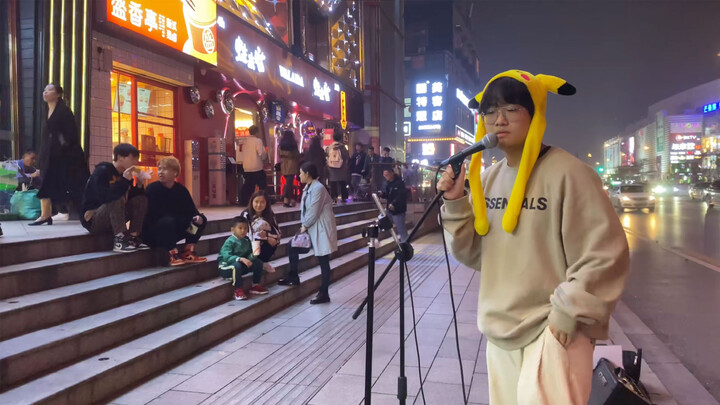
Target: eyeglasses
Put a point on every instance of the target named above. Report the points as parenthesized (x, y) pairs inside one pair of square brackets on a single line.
[(509, 112)]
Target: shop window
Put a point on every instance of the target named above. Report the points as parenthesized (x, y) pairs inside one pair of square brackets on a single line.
[(317, 36), (143, 114)]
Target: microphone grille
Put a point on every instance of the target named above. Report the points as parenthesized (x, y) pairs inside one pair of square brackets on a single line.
[(490, 140)]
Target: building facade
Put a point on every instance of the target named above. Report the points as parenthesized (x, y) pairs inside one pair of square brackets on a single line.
[(442, 70)]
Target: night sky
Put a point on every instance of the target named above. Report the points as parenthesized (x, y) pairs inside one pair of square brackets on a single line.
[(622, 56)]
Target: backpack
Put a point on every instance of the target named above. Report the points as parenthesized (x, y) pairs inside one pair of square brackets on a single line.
[(335, 159)]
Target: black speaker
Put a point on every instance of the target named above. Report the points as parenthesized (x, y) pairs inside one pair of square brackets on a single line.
[(611, 386)]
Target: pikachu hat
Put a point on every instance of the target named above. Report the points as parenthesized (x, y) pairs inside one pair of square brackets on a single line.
[(538, 86)]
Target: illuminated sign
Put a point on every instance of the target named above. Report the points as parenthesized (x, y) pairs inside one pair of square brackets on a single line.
[(710, 107), (343, 110), (407, 128), (464, 136), (684, 147), (462, 97), (429, 106), (291, 76), (189, 29), (321, 90), (254, 60), (685, 127), (428, 149)]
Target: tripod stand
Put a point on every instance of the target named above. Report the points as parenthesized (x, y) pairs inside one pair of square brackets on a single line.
[(403, 253)]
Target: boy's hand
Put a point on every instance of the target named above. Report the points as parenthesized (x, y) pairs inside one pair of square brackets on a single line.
[(562, 337), (198, 220), (245, 261), (453, 188), (303, 229)]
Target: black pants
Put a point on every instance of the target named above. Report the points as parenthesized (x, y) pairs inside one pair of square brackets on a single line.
[(169, 230), (324, 268), (252, 179), (266, 251), (289, 189), (239, 269), (338, 188)]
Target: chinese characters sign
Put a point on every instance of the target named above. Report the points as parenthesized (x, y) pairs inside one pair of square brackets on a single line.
[(186, 25), (429, 104)]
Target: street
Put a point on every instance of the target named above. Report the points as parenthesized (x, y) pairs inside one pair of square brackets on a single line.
[(675, 279)]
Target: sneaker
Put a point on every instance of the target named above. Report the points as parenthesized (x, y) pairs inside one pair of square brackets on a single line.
[(258, 289), (266, 267), (240, 295), (139, 243), (190, 257), (175, 259), (123, 244)]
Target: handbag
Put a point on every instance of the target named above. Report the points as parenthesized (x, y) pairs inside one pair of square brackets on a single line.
[(612, 386), (301, 242)]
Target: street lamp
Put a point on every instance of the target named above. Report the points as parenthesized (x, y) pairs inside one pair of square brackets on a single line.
[(646, 147), (589, 155), (597, 163)]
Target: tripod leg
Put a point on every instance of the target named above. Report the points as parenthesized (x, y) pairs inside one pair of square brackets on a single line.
[(402, 379)]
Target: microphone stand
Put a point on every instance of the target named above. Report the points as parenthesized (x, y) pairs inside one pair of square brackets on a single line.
[(404, 253)]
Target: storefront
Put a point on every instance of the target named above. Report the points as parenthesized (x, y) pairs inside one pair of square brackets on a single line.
[(685, 148)]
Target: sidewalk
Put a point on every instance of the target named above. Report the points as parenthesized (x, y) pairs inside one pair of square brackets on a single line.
[(316, 354)]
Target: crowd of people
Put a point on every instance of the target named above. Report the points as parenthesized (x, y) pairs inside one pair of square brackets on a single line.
[(116, 199)]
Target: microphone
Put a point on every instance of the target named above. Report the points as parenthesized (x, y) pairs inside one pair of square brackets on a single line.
[(489, 141)]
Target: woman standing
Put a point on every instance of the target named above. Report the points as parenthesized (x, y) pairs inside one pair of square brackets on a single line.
[(264, 230), (316, 155), (290, 160), (318, 220), (62, 160), (339, 173)]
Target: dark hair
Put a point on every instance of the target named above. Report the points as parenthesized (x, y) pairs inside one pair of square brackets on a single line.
[(58, 89), (337, 136), (287, 141), (310, 169), (386, 149), (315, 152), (125, 150), (371, 147), (267, 215), (507, 90), (253, 129), (388, 169), (360, 144), (239, 220), (29, 151)]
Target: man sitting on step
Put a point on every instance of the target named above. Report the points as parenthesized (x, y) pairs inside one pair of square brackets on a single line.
[(106, 205)]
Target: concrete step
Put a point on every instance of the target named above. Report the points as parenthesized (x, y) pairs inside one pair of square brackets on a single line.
[(43, 248), (30, 277), (109, 373), (31, 312), (45, 350)]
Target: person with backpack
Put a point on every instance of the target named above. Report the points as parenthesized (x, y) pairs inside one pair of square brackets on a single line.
[(337, 160)]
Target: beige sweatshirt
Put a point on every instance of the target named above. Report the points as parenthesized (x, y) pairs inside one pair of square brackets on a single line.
[(565, 263)]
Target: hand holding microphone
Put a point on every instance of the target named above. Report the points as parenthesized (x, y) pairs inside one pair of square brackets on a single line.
[(453, 188)]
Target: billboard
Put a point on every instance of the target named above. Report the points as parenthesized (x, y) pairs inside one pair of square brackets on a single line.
[(190, 26)]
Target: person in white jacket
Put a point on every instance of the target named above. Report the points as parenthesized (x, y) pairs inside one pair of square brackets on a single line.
[(252, 155)]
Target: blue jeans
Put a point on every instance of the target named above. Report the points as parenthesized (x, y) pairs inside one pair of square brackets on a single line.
[(399, 221)]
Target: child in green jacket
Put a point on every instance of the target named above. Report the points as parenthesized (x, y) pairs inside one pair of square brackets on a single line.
[(236, 258)]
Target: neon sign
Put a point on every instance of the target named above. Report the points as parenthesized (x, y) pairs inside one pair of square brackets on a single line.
[(343, 110), (710, 107), (321, 91), (254, 60), (291, 76)]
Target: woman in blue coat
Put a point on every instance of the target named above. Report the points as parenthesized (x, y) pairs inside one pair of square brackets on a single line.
[(318, 220)]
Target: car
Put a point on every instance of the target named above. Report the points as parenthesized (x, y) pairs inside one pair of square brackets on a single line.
[(632, 196), (712, 194), (698, 190)]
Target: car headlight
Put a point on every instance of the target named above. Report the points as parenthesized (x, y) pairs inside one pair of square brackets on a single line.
[(675, 189), (659, 189), (625, 198), (652, 198)]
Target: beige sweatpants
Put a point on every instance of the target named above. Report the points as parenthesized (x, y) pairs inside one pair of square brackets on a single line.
[(543, 372)]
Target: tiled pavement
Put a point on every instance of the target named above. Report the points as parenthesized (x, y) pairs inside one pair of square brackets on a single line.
[(315, 354)]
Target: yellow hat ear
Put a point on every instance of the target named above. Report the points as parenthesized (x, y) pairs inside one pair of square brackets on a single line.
[(556, 85)]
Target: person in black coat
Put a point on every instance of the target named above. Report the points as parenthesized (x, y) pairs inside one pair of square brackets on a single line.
[(62, 161), (396, 195), (172, 215)]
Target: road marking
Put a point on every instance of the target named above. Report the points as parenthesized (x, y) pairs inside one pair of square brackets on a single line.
[(677, 252)]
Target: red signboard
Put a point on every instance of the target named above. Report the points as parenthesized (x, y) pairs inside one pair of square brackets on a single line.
[(189, 26)]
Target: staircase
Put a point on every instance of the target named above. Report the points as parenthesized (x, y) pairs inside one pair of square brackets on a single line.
[(82, 324)]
